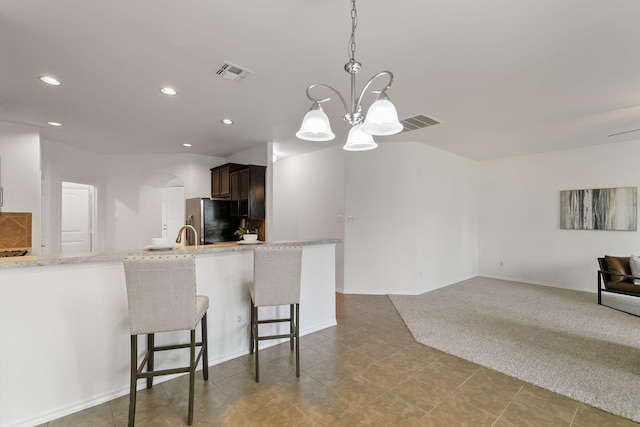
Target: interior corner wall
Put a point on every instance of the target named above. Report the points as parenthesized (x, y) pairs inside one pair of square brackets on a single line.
[(411, 219), (20, 174), (308, 199), (520, 235)]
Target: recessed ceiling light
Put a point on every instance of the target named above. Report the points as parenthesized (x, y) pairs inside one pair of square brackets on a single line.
[(226, 121), (168, 91), (57, 124), (186, 144), (49, 80)]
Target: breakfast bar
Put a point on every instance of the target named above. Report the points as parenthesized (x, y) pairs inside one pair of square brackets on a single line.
[(65, 328)]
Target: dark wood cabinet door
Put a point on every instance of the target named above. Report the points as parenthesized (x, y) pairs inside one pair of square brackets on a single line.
[(225, 188), (243, 184), (215, 182), (234, 184), (256, 208), (247, 192)]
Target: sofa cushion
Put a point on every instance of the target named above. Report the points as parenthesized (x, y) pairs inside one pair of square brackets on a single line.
[(634, 263), (626, 287), (616, 264)]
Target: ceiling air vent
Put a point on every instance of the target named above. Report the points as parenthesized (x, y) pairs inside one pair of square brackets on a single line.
[(417, 122), (233, 72)]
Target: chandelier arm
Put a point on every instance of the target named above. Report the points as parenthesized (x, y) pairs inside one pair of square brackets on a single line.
[(319, 101), (366, 86)]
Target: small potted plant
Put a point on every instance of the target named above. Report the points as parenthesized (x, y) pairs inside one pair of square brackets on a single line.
[(248, 234)]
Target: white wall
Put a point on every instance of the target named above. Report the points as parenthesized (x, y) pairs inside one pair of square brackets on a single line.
[(20, 169), (411, 219), (132, 194), (62, 162), (128, 189), (257, 155), (520, 215), (307, 197)]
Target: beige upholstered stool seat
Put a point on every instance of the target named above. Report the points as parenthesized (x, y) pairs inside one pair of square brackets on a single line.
[(161, 292), (276, 281)]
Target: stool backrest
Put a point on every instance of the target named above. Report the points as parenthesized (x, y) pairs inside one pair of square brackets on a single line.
[(162, 293), (276, 275)]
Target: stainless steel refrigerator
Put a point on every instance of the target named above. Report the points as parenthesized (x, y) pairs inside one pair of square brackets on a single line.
[(212, 220)]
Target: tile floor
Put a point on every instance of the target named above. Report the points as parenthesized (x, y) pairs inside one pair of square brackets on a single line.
[(366, 371)]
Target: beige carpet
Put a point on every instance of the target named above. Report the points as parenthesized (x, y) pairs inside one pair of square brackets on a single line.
[(558, 339)]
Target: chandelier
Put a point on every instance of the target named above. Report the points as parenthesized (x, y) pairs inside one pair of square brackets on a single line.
[(381, 118)]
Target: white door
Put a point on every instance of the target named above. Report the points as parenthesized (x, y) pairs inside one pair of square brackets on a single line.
[(172, 211), (76, 218)]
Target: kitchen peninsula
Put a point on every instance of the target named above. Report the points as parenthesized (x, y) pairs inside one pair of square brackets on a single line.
[(65, 328)]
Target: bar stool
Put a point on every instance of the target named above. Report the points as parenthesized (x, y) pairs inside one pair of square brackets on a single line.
[(276, 281), (161, 292)]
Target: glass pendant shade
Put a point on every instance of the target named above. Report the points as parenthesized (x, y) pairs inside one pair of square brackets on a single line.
[(315, 126), (382, 118), (358, 140)]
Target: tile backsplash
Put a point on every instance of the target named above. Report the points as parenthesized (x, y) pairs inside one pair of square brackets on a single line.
[(15, 230)]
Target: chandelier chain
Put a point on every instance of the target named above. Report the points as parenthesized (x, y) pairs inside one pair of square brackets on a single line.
[(354, 24)]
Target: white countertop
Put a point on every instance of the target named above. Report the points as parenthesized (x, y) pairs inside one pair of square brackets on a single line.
[(38, 261)]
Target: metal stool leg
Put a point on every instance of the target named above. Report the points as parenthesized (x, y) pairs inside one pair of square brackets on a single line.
[(297, 329), (150, 348), (256, 340), (134, 377), (251, 326), (192, 374), (205, 347), (291, 326)]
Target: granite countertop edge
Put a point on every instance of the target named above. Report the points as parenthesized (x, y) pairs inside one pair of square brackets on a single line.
[(42, 261)]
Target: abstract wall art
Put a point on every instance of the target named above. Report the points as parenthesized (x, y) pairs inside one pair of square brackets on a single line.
[(599, 209)]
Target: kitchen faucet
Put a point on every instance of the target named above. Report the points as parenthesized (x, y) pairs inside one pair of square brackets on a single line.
[(183, 230)]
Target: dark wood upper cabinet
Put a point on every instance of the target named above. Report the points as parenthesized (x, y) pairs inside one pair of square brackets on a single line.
[(225, 190), (215, 183), (220, 180), (248, 191)]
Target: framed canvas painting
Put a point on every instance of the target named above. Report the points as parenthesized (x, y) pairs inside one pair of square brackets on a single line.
[(599, 209)]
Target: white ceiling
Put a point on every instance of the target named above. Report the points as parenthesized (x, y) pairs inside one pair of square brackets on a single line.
[(505, 77)]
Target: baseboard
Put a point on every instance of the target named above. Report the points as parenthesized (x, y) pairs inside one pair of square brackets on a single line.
[(516, 279), (531, 282), (395, 292), (450, 282), (63, 412), (366, 292), (326, 325)]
